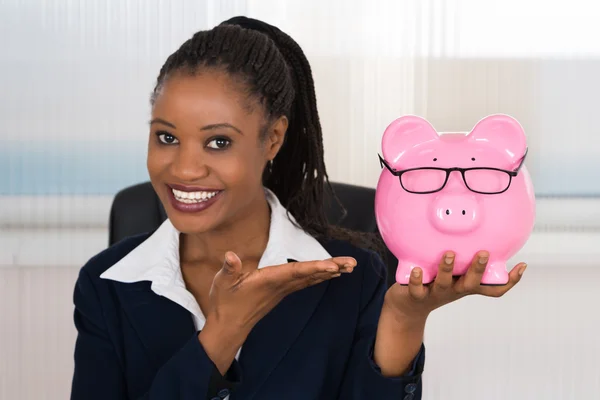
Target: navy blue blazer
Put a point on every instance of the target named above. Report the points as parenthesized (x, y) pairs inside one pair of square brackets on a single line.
[(316, 344)]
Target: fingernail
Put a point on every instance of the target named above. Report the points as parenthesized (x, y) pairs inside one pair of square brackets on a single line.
[(332, 269), (523, 268), (349, 269), (228, 259), (483, 260), (336, 275), (416, 273), (449, 259)]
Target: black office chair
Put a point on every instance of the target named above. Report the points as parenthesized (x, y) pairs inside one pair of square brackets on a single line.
[(137, 209)]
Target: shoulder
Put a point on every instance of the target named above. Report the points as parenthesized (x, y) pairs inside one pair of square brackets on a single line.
[(110, 256), (92, 294)]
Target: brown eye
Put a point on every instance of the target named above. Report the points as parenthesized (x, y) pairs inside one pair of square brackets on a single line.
[(167, 138), (219, 143)]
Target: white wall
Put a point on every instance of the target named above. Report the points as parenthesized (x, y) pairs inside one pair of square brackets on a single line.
[(76, 78)]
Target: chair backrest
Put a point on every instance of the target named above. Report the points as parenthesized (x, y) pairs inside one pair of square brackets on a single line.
[(137, 209)]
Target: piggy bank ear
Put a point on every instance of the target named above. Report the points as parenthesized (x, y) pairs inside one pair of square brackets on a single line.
[(503, 132), (405, 133)]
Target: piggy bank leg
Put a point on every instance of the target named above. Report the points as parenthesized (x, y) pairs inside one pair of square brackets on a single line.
[(495, 274), (404, 269)]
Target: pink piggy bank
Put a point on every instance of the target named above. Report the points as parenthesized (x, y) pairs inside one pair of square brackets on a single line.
[(454, 192)]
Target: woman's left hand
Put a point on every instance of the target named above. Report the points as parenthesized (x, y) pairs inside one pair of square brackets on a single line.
[(406, 308), (416, 300)]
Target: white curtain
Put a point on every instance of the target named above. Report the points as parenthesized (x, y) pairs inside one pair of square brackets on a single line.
[(77, 76)]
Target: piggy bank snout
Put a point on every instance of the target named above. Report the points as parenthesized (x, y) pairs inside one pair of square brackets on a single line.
[(455, 213)]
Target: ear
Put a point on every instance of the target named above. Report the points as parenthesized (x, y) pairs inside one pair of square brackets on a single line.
[(275, 137), (405, 133), (503, 132)]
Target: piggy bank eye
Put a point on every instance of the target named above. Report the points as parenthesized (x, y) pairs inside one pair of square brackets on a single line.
[(472, 158), (435, 159)]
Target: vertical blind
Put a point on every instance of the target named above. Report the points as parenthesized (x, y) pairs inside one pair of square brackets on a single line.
[(77, 77)]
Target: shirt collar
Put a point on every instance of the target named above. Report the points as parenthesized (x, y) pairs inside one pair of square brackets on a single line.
[(157, 258)]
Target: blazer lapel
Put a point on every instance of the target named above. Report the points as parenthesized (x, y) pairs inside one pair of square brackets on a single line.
[(273, 335), (162, 325)]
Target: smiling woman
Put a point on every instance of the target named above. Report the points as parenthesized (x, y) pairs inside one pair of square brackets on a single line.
[(246, 258)]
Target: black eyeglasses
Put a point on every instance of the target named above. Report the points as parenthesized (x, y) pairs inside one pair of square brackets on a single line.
[(480, 180)]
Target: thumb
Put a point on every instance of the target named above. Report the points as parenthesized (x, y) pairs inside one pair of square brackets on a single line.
[(232, 265)]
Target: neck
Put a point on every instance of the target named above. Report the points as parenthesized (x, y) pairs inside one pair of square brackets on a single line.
[(247, 236)]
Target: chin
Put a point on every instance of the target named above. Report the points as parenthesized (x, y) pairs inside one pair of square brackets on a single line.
[(192, 226)]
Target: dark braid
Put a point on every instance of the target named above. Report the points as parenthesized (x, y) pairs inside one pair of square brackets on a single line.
[(274, 70)]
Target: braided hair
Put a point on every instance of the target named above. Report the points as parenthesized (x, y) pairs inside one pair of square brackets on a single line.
[(273, 70)]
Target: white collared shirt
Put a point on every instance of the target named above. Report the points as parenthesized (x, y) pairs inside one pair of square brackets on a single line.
[(157, 258)]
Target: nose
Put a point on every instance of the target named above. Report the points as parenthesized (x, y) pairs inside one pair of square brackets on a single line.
[(455, 213), (189, 165)]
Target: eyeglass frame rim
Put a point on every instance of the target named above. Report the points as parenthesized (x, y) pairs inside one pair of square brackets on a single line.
[(462, 171)]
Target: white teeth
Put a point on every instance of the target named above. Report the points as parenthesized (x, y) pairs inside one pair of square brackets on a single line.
[(193, 197)]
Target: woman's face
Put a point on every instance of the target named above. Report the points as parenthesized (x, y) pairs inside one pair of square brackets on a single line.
[(205, 153)]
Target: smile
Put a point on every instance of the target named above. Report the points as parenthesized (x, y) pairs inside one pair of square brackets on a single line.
[(189, 199), (193, 197)]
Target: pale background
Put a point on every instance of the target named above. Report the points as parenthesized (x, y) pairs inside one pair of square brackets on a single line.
[(75, 77)]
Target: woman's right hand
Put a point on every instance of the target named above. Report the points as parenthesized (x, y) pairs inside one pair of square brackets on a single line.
[(238, 299)]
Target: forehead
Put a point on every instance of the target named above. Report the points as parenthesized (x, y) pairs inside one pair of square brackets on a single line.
[(452, 150), (209, 95)]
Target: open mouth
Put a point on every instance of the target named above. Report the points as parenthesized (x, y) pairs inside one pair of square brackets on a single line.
[(193, 197)]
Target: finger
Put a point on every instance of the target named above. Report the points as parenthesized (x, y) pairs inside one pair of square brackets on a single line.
[(471, 282), (415, 284), (296, 275), (232, 264), (314, 272), (514, 277), (443, 280), (230, 273), (346, 264), (300, 270)]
